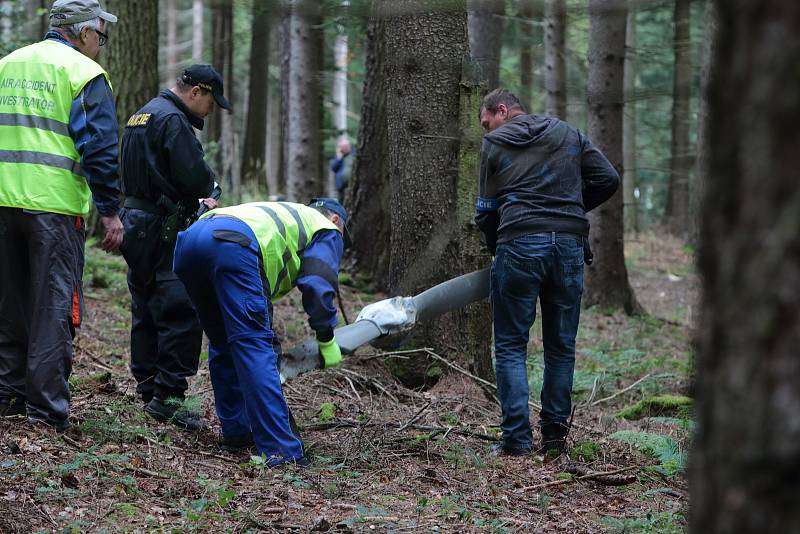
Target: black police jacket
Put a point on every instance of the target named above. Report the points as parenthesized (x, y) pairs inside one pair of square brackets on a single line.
[(161, 154)]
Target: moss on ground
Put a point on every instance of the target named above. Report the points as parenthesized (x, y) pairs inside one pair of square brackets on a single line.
[(661, 405)]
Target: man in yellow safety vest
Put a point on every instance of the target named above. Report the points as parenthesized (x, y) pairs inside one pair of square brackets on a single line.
[(58, 150)]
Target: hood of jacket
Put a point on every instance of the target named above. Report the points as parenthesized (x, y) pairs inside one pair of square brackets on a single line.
[(526, 130)]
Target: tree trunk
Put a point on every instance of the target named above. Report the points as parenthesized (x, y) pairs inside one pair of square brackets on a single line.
[(630, 207), (255, 142), (746, 452), (274, 151), (221, 56), (303, 170), (486, 36), (430, 207), (197, 30), (339, 91), (369, 194), (131, 58), (607, 282), (701, 169), (530, 13), (172, 44), (131, 55), (555, 71), (6, 22), (676, 213), (475, 321)]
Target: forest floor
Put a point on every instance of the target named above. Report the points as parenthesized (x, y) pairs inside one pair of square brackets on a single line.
[(385, 458)]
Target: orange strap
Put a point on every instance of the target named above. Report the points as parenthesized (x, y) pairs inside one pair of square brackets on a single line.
[(76, 309)]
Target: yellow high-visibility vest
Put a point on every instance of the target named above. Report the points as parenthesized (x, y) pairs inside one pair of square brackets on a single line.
[(39, 164), (283, 230)]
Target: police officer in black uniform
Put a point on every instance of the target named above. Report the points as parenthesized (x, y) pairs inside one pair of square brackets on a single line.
[(164, 174)]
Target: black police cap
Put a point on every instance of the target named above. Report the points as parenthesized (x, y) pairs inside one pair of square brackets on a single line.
[(206, 77)]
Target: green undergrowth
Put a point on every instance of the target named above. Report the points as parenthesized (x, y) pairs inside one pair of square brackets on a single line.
[(662, 448), (103, 270), (661, 405)]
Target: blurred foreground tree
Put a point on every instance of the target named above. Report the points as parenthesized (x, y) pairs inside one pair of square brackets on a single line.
[(746, 452)]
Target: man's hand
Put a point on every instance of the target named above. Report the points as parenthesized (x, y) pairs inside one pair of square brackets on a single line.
[(331, 353), (113, 236), (210, 203)]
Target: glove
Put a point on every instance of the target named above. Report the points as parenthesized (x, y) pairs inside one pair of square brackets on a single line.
[(330, 352)]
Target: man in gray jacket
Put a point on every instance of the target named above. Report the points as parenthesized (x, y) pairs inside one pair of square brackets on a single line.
[(538, 178)]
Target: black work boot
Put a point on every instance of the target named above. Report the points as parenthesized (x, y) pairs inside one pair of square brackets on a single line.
[(12, 407), (237, 443), (554, 439), (173, 411)]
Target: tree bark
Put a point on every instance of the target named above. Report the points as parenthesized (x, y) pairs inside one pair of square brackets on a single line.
[(555, 70), (530, 13), (172, 44), (630, 207), (276, 182), (131, 59), (339, 92), (607, 282), (745, 462), (429, 203), (217, 127), (131, 55), (703, 155), (255, 142), (6, 22), (676, 213), (369, 195), (486, 36), (197, 33), (303, 170)]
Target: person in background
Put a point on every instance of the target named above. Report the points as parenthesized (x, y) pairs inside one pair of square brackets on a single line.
[(342, 167), (539, 177), (58, 151), (164, 173), (235, 262)]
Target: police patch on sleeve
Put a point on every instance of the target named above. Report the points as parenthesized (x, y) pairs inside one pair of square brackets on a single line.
[(139, 119)]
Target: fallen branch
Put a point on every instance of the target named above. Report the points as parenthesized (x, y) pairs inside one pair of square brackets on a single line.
[(607, 479), (201, 453), (424, 428), (143, 471), (588, 476), (623, 390)]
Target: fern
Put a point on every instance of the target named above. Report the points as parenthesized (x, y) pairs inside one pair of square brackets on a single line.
[(662, 448)]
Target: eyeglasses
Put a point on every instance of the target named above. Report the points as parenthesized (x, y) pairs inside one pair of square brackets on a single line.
[(103, 37)]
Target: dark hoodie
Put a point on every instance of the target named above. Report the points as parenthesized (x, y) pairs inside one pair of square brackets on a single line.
[(539, 174)]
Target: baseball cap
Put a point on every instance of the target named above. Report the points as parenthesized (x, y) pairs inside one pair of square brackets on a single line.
[(333, 205), (209, 79), (66, 12)]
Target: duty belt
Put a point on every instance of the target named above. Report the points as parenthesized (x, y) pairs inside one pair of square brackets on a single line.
[(144, 205)]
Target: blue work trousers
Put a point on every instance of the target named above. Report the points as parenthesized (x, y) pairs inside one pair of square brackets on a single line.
[(217, 259), (549, 267)]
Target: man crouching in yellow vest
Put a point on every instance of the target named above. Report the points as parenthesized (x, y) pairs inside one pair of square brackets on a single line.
[(58, 149), (235, 262)]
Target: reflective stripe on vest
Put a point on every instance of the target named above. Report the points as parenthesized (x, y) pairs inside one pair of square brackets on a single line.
[(283, 231), (39, 163)]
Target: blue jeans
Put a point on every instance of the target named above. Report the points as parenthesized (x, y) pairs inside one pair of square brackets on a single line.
[(223, 279), (547, 266)]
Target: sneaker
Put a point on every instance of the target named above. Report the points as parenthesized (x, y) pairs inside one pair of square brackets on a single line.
[(12, 407), (173, 411), (237, 443), (499, 449)]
